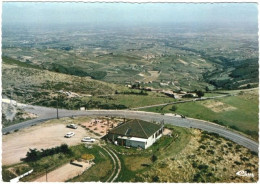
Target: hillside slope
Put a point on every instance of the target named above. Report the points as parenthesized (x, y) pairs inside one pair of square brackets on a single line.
[(27, 83)]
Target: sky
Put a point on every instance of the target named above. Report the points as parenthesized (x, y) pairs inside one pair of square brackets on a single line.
[(127, 13)]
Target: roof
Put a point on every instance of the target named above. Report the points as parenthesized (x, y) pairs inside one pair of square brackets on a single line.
[(136, 128)]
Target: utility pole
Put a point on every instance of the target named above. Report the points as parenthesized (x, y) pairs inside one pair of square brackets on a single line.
[(46, 175), (57, 111)]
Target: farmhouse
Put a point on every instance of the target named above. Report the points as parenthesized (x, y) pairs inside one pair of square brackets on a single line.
[(136, 133)]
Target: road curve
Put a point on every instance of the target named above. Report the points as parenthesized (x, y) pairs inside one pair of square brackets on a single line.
[(45, 113)]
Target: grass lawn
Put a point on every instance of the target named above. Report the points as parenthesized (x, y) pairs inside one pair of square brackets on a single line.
[(100, 171), (238, 112)]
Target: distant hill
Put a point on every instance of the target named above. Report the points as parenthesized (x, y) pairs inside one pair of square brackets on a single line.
[(234, 74)]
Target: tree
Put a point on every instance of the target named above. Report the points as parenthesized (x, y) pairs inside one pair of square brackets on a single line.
[(32, 155), (174, 108), (207, 88), (199, 93), (3, 117)]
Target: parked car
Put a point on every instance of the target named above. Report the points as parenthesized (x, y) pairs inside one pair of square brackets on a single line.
[(88, 139), (70, 134), (72, 126)]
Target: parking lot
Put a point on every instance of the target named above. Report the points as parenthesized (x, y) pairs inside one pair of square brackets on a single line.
[(46, 135)]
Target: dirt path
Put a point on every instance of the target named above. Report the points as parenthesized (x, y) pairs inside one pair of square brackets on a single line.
[(64, 173), (119, 167), (114, 163)]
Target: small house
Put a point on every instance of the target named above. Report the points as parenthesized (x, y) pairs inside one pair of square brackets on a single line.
[(136, 133)]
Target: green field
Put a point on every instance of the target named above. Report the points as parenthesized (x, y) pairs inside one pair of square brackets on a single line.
[(237, 112)]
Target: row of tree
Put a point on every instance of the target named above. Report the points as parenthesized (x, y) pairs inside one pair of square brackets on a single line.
[(34, 154)]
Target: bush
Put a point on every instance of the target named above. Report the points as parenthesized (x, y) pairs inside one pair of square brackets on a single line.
[(203, 167), (218, 122), (237, 163), (199, 93), (154, 158), (253, 153), (202, 147), (244, 159), (174, 108), (194, 164), (187, 96), (155, 178), (213, 161), (229, 144), (88, 157)]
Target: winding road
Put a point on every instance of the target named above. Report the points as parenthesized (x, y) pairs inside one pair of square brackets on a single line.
[(45, 113)]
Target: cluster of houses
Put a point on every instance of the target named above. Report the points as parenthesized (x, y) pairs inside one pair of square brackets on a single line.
[(176, 95)]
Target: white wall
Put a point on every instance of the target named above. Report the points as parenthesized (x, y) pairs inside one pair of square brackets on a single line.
[(152, 139), (135, 144)]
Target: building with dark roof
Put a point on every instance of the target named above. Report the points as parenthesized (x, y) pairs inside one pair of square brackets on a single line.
[(136, 133)]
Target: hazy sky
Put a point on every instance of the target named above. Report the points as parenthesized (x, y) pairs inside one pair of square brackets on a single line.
[(119, 13)]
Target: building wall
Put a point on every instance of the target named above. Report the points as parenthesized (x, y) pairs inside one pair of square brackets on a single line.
[(135, 144), (153, 138)]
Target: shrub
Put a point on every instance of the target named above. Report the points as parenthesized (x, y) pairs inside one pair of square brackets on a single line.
[(174, 108), (218, 122), (194, 164), (253, 153), (197, 177), (213, 161), (237, 163), (154, 158), (229, 144), (199, 93), (211, 152), (244, 159), (155, 178), (238, 147), (88, 157), (202, 147), (203, 167)]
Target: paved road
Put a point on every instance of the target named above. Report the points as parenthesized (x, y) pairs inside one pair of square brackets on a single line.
[(45, 113)]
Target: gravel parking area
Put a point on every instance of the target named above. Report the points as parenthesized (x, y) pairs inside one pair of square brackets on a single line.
[(47, 135)]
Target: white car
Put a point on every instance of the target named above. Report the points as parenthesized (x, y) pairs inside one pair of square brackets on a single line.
[(72, 126), (70, 134), (88, 139)]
